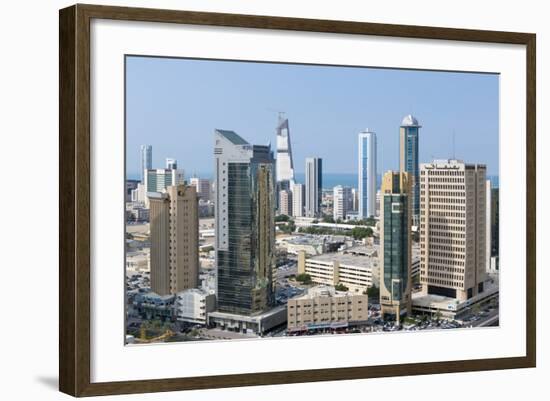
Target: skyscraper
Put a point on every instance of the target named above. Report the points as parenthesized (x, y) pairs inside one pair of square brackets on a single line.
[(452, 228), (174, 226), (367, 174), (408, 159), (245, 224), (146, 160), (171, 164), (342, 202), (298, 195), (285, 166), (314, 185), (156, 180), (285, 202), (395, 245), (202, 186)]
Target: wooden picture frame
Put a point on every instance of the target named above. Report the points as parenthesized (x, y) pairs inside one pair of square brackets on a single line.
[(74, 199)]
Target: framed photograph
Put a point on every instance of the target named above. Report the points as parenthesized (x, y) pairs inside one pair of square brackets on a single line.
[(250, 200)]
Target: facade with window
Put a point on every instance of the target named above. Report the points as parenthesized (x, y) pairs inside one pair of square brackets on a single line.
[(395, 245), (324, 307), (409, 159), (174, 227), (245, 224), (453, 228)]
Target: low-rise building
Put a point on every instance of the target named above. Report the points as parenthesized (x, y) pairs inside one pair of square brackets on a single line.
[(259, 323), (324, 307), (357, 272), (137, 260), (193, 305), (151, 306)]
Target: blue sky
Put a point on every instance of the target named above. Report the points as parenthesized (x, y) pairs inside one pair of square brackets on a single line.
[(175, 105)]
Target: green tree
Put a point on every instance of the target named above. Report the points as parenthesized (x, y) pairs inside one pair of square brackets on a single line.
[(328, 218), (303, 278), (340, 287), (281, 218), (361, 232), (373, 292)]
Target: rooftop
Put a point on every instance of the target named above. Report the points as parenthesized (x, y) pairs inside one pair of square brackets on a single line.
[(344, 259), (410, 121), (323, 291), (232, 137)]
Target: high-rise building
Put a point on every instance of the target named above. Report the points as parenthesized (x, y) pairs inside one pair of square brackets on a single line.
[(174, 226), (203, 187), (409, 159), (157, 180), (285, 202), (146, 160), (314, 185), (452, 228), (367, 174), (245, 224), (355, 198), (342, 202), (171, 164), (285, 166), (298, 195), (395, 245)]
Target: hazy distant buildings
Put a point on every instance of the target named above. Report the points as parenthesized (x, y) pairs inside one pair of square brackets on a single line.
[(171, 164), (174, 226), (342, 202), (245, 225), (146, 160), (409, 159), (367, 174), (156, 180), (314, 185), (202, 186), (298, 196), (452, 228), (285, 202), (395, 245)]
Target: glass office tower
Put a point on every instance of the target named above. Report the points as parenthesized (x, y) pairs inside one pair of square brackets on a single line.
[(395, 245), (408, 159), (245, 224)]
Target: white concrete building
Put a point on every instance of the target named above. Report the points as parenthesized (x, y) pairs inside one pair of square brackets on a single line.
[(193, 305), (298, 193), (355, 271), (342, 202)]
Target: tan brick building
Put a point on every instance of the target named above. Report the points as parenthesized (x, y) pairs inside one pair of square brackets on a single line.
[(452, 228), (323, 306), (174, 225)]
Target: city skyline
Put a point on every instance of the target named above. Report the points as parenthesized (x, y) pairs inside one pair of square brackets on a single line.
[(157, 103)]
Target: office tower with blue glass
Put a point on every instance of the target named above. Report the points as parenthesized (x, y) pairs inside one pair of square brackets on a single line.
[(245, 225), (395, 245), (314, 186), (146, 158), (409, 160), (367, 174)]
